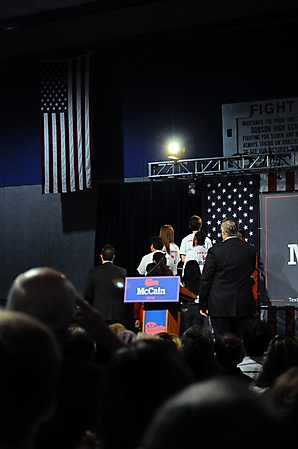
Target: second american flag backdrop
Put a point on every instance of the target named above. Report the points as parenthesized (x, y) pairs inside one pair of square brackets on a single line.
[(231, 196)]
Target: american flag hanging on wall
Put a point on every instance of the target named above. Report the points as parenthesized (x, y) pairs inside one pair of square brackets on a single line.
[(66, 125), (231, 196)]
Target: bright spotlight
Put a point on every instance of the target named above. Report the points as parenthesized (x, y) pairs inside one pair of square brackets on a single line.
[(175, 150)]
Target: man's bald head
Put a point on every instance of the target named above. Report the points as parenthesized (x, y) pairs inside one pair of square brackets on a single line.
[(46, 294)]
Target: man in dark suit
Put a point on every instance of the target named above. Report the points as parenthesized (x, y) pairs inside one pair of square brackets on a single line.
[(104, 288), (226, 282)]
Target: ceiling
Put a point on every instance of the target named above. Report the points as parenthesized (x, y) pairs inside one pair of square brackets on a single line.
[(34, 26)]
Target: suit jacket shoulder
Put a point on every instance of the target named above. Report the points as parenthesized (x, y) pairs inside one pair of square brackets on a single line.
[(108, 267)]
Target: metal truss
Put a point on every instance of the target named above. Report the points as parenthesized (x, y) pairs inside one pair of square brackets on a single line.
[(193, 168)]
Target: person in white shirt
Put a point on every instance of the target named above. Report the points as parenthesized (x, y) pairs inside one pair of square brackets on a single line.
[(169, 247), (156, 244), (199, 250), (195, 225)]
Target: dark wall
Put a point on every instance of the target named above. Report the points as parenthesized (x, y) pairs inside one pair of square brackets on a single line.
[(19, 126), (46, 230), (143, 93), (179, 88)]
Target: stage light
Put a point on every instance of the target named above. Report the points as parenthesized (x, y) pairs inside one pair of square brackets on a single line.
[(175, 150), (191, 189)]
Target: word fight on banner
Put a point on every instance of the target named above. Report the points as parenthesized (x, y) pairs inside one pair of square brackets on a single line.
[(66, 125), (261, 127)]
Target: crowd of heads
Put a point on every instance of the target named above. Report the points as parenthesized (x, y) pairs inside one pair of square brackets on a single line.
[(140, 391)]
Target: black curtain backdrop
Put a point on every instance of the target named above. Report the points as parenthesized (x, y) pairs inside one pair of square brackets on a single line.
[(129, 214)]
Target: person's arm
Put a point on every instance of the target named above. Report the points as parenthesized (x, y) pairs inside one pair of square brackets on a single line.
[(93, 323), (189, 256), (176, 257), (208, 244), (88, 291), (137, 314), (142, 267), (170, 263), (182, 250), (206, 282)]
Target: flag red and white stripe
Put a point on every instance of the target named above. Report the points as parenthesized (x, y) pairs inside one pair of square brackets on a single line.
[(279, 181), (66, 125)]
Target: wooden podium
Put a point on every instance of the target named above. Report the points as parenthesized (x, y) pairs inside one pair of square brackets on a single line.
[(165, 317), (161, 318), (160, 296)]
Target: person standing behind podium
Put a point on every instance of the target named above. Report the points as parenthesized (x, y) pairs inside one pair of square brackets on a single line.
[(156, 244), (104, 288), (199, 251), (170, 248), (226, 282), (158, 266), (190, 311), (195, 225)]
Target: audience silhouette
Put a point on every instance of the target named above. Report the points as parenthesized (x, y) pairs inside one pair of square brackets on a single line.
[(117, 388), (256, 338), (284, 395), (228, 414), (138, 379), (197, 347), (228, 352), (49, 296), (282, 355), (30, 363)]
